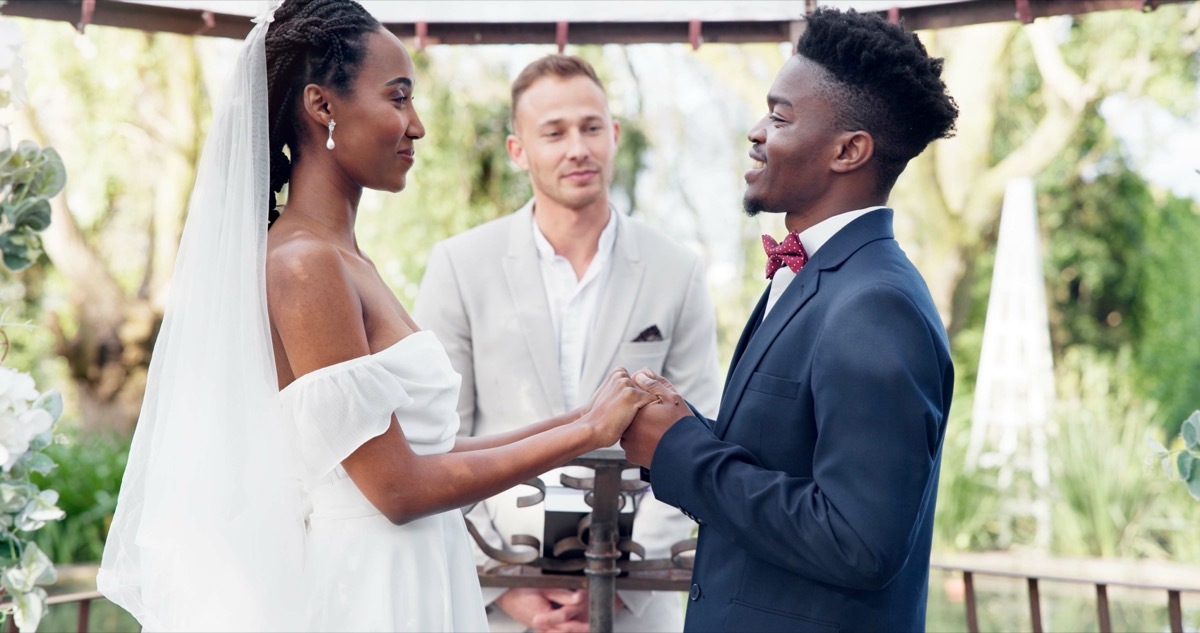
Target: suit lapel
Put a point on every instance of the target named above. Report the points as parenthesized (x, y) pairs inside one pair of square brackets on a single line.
[(747, 332), (524, 278), (868, 228), (798, 293), (626, 271)]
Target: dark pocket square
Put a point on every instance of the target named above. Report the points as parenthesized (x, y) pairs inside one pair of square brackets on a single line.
[(648, 335)]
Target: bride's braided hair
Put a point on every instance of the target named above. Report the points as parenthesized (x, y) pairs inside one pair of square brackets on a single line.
[(310, 41)]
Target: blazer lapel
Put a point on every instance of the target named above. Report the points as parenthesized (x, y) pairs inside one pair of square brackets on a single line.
[(625, 274), (873, 226), (524, 277), (747, 333)]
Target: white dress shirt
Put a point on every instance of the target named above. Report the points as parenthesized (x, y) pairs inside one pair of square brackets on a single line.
[(813, 238), (573, 302)]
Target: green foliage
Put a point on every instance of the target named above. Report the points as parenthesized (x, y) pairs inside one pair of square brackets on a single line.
[(1107, 499), (1183, 464), (1166, 307), (1120, 270), (1165, 37), (29, 177), (1022, 105), (1096, 244), (87, 480), (968, 505), (1103, 487), (149, 107)]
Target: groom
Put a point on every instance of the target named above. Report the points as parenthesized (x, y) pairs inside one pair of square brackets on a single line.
[(815, 486)]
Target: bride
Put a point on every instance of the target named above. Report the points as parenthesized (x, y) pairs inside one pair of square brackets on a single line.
[(296, 464)]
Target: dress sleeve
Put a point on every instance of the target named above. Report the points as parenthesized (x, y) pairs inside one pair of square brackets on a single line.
[(334, 410)]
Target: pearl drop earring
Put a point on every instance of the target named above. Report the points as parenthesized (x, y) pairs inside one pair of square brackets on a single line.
[(329, 144)]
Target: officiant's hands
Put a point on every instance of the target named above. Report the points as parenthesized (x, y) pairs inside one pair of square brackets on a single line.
[(613, 406), (570, 618), (544, 610), (652, 421)]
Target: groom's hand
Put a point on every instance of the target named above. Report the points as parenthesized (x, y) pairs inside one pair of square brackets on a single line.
[(652, 421)]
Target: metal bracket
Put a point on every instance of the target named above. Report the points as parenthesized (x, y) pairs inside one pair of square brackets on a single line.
[(1024, 12), (210, 20), (560, 35), (85, 15), (422, 34), (694, 35)]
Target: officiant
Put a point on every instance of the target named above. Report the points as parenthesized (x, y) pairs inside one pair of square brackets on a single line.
[(589, 289)]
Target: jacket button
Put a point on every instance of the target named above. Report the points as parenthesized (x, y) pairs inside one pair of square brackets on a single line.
[(694, 594)]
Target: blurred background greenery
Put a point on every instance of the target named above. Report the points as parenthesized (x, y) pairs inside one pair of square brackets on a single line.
[(127, 111)]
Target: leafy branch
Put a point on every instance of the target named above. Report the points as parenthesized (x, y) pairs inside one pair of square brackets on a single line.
[(1183, 464), (29, 177)]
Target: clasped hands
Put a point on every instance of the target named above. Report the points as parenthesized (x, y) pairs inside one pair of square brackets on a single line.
[(637, 409)]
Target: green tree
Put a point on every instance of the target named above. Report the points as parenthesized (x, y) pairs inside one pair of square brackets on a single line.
[(127, 112), (1028, 94)]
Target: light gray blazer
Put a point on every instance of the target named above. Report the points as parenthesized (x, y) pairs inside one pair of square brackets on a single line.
[(483, 297)]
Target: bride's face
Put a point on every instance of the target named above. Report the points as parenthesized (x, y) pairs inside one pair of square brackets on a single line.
[(376, 122)]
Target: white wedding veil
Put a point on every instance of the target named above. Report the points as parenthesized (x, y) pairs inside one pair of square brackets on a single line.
[(209, 527)]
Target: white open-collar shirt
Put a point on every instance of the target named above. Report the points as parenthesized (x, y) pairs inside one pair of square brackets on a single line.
[(574, 301)]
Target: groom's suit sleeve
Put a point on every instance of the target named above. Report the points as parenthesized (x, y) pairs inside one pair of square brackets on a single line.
[(877, 386)]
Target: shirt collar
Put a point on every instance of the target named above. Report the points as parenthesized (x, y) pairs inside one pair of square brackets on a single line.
[(814, 237), (604, 246)]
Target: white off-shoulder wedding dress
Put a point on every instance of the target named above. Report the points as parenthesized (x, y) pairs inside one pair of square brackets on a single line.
[(363, 572)]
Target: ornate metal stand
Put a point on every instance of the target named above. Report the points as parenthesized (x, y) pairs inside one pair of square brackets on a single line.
[(603, 569)]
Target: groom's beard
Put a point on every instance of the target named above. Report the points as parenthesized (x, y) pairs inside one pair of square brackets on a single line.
[(752, 206)]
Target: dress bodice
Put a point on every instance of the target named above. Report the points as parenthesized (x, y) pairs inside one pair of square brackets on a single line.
[(335, 409), (363, 572)]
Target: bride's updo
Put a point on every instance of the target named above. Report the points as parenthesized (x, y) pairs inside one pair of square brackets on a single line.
[(310, 41)]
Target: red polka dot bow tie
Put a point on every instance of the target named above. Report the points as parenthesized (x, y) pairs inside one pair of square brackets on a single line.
[(790, 252)]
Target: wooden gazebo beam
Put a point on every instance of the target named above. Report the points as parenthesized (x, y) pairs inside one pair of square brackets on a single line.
[(211, 23)]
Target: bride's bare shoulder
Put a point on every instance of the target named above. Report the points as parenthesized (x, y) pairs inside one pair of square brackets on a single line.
[(300, 262)]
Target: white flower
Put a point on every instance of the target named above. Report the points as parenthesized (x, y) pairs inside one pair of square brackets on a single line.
[(12, 69), (28, 608), (13, 497), (34, 569), (17, 430), (39, 510), (16, 390), (21, 582), (19, 423), (10, 43)]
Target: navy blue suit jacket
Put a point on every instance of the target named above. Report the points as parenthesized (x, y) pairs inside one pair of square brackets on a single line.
[(815, 486)]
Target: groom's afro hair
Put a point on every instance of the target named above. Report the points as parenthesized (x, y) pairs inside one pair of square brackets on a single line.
[(882, 81), (309, 41)]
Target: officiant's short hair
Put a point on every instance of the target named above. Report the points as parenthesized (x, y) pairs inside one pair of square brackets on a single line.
[(561, 66)]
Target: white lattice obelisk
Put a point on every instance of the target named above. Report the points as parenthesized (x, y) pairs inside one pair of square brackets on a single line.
[(1014, 391)]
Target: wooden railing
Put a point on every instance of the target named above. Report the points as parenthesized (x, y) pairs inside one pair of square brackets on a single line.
[(1033, 584)]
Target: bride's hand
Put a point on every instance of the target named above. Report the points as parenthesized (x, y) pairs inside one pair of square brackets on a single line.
[(613, 406)]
